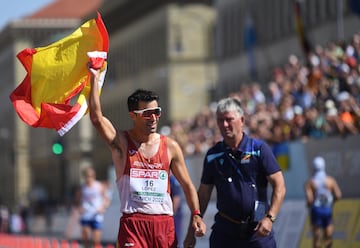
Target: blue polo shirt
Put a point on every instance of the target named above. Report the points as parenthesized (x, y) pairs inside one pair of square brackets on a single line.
[(239, 176)]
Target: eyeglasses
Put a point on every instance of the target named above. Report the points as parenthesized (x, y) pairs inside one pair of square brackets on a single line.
[(148, 112)]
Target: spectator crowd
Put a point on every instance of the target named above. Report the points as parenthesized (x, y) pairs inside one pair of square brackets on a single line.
[(310, 99)]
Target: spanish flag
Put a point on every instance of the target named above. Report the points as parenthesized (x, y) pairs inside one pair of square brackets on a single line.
[(55, 91)]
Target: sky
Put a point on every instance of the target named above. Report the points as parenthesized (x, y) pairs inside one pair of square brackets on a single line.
[(16, 9)]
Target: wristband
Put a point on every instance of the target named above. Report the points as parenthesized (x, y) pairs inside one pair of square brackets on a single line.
[(197, 212)]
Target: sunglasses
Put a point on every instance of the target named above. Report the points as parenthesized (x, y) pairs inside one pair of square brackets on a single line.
[(148, 112)]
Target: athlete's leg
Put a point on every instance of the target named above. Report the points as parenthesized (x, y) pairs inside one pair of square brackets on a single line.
[(96, 232), (316, 236), (97, 236), (164, 228), (135, 230), (86, 233), (328, 232)]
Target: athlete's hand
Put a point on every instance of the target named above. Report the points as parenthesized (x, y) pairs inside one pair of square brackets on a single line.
[(94, 72), (199, 226), (101, 210)]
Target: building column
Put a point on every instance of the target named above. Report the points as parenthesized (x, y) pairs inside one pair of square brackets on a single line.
[(22, 171)]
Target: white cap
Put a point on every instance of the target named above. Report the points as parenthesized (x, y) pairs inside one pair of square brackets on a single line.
[(319, 163)]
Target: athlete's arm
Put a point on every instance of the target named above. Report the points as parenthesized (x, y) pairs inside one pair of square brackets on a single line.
[(100, 122), (204, 193), (335, 189), (106, 199), (181, 173), (309, 193), (115, 140)]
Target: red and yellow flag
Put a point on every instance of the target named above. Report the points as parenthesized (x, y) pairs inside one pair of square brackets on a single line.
[(55, 90)]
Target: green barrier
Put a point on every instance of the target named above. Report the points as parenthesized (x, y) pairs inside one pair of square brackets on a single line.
[(346, 226)]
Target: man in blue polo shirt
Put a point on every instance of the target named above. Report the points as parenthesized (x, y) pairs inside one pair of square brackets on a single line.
[(240, 168)]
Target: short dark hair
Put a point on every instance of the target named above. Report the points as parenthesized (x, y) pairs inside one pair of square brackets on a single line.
[(141, 95)]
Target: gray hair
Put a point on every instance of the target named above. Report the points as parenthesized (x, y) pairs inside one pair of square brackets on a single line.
[(229, 104)]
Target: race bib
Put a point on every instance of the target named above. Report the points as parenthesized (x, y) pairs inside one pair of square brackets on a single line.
[(148, 186)]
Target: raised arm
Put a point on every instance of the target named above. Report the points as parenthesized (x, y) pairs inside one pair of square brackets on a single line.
[(101, 123)]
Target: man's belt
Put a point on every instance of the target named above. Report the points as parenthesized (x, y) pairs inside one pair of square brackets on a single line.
[(243, 229), (225, 216)]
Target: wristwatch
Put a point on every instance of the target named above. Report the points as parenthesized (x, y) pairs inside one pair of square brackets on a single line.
[(272, 218)]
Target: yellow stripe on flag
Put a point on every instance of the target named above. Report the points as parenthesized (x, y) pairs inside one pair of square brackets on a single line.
[(56, 75)]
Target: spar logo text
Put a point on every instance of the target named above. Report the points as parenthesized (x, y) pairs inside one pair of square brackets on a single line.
[(150, 174)]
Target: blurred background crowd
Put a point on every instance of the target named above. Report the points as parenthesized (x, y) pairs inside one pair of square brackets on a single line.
[(313, 98)]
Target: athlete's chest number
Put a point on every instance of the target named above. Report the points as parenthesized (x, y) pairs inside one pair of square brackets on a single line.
[(148, 186), (149, 183)]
